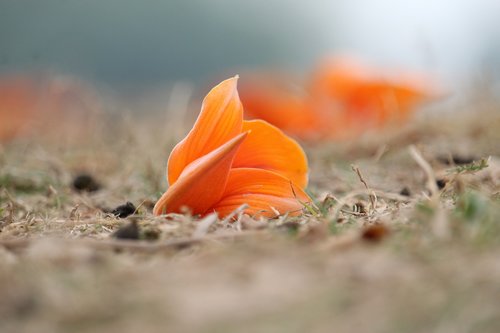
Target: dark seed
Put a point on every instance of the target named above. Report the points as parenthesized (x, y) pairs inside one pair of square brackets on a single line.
[(405, 191), (128, 231), (125, 210), (375, 232), (456, 159), (441, 183), (461, 160), (85, 183)]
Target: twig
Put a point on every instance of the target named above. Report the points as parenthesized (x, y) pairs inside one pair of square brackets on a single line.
[(440, 224), (373, 196), (429, 173), (361, 179)]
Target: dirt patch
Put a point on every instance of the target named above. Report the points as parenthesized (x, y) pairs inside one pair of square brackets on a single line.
[(387, 247)]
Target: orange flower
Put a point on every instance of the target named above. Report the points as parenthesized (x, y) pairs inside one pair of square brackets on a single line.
[(44, 105), (17, 106), (225, 162), (343, 98), (370, 98)]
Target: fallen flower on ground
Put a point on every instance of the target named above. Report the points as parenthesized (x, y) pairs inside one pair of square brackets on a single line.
[(17, 106), (225, 162), (342, 99), (45, 106), (369, 97)]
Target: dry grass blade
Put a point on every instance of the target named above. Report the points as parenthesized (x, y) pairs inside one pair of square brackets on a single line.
[(190, 274), (238, 211), (14, 203), (204, 225)]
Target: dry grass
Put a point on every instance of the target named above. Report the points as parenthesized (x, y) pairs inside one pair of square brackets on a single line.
[(383, 250)]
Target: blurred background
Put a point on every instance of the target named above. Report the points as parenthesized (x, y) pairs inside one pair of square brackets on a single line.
[(156, 56), (124, 43)]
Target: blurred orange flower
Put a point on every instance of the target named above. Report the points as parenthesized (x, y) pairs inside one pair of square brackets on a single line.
[(342, 99), (17, 106), (225, 162), (33, 105)]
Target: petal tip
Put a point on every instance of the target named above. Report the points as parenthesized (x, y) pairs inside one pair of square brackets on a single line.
[(230, 86), (233, 80)]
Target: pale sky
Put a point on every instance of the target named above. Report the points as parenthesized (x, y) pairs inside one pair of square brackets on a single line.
[(154, 40)]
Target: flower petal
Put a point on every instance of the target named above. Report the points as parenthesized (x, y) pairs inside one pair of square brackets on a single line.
[(220, 120), (340, 77), (267, 193), (369, 97), (268, 99), (202, 182), (267, 147)]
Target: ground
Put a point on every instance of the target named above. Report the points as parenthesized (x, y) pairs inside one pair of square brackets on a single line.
[(404, 236)]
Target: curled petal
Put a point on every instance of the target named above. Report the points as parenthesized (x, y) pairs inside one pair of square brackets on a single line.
[(267, 194), (220, 120), (267, 147), (202, 183)]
